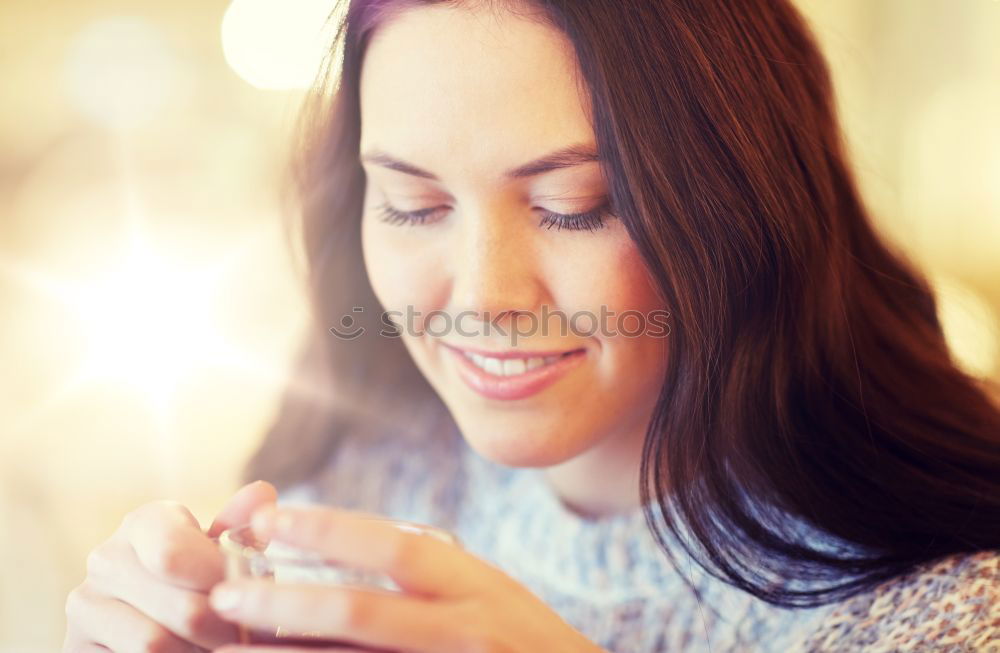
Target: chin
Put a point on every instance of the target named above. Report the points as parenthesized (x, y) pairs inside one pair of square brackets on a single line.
[(517, 449)]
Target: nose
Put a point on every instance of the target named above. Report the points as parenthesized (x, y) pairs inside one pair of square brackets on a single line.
[(494, 271)]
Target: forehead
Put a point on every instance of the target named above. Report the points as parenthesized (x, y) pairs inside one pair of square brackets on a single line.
[(464, 91)]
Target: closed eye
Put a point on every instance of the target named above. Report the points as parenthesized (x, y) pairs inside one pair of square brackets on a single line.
[(583, 221), (588, 220), (392, 215)]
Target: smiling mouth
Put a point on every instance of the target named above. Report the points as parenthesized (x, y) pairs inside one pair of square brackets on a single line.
[(513, 374), (512, 362), (516, 365)]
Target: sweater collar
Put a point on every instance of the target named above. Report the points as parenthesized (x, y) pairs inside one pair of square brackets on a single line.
[(530, 531)]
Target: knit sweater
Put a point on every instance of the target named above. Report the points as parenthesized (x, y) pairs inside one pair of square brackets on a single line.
[(609, 578)]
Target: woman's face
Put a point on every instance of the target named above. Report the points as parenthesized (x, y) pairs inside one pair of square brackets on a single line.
[(453, 101)]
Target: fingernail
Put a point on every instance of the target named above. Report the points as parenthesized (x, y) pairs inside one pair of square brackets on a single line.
[(226, 598)]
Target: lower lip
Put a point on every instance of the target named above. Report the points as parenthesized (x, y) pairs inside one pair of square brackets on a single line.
[(519, 386)]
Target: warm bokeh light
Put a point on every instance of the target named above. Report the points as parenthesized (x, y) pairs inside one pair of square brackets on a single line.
[(277, 45), (970, 326), (150, 322), (120, 71), (150, 308), (956, 136)]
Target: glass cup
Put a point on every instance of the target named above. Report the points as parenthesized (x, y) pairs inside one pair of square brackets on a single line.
[(247, 556)]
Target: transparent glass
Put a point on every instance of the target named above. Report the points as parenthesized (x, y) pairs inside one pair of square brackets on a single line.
[(247, 556)]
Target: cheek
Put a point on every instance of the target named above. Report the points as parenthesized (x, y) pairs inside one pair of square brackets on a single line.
[(607, 275), (631, 288), (615, 283), (643, 347), (404, 275), (632, 294)]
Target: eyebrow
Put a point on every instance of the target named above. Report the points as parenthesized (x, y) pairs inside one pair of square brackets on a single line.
[(567, 157)]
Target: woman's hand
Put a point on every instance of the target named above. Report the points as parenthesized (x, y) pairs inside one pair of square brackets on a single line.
[(147, 586), (452, 602)]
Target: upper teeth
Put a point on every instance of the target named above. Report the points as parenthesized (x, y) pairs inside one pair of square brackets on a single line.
[(509, 366)]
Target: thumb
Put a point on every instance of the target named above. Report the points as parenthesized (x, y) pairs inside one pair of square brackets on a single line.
[(241, 505)]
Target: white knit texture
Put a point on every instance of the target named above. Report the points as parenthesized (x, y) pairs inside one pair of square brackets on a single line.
[(608, 578)]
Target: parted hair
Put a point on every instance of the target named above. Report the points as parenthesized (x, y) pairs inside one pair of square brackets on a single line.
[(813, 435)]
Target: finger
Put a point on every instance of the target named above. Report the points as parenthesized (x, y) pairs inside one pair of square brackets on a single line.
[(271, 641), (86, 647), (77, 642), (367, 617), (169, 542), (418, 563), (118, 626), (241, 505), (287, 649), (184, 612)]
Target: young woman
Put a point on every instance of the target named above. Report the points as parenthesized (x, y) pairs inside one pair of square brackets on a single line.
[(594, 289)]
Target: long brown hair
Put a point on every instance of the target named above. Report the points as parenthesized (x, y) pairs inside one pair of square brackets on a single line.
[(812, 436)]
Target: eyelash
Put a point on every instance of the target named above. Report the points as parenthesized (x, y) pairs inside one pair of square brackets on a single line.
[(395, 216), (585, 221)]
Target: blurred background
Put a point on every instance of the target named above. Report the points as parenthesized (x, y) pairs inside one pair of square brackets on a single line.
[(149, 303)]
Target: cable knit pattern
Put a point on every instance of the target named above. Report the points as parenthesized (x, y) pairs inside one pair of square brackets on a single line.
[(609, 578)]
